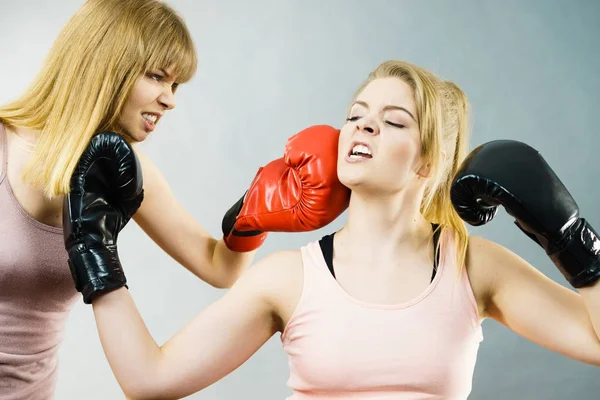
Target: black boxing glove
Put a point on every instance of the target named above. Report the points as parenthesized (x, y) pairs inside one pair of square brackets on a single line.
[(105, 192), (514, 175)]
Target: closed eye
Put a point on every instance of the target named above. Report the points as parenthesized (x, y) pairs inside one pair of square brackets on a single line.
[(395, 124)]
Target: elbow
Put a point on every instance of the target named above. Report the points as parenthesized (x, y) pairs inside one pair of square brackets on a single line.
[(221, 285), (163, 382), (596, 361), (150, 391), (592, 356), (145, 392), (145, 386)]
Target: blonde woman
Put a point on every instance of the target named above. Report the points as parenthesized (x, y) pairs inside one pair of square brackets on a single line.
[(391, 305), (115, 67)]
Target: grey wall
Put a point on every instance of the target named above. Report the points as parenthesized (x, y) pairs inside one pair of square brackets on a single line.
[(270, 68)]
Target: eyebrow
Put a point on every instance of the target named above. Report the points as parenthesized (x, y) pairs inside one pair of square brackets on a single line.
[(388, 107)]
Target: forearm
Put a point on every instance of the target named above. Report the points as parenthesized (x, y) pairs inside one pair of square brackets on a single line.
[(214, 343), (591, 298), (229, 264), (131, 351)]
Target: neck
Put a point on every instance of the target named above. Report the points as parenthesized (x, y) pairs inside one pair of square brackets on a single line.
[(384, 227), (25, 139)]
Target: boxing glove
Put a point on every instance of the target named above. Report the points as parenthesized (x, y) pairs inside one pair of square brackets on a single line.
[(296, 193), (514, 175), (105, 192)]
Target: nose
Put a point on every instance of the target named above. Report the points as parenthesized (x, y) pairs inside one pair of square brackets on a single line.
[(367, 125), (167, 99)]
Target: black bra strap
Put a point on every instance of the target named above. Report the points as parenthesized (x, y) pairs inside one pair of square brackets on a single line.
[(326, 244)]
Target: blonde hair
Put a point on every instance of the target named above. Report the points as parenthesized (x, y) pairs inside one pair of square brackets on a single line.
[(87, 77), (443, 116)]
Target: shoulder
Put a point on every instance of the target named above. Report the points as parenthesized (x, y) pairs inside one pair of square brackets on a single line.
[(493, 268), (481, 249), (155, 186), (493, 258), (276, 280), (149, 169), (274, 274), (485, 261)]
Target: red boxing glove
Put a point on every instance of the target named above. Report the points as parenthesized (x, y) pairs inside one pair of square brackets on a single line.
[(297, 193)]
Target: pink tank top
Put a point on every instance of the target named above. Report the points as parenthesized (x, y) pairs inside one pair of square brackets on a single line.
[(36, 295), (342, 348)]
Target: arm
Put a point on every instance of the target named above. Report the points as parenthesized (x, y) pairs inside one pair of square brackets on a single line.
[(178, 233), (213, 344), (514, 175), (298, 192), (106, 190), (532, 305)]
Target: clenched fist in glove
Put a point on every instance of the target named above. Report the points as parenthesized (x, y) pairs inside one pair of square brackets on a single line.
[(106, 191), (296, 193), (514, 175)]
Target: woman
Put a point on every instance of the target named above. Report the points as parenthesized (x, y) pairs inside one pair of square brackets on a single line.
[(391, 305), (115, 66)]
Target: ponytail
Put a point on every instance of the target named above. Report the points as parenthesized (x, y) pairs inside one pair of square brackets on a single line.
[(455, 134), (443, 114)]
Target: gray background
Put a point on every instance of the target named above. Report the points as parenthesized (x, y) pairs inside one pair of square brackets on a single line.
[(270, 68)]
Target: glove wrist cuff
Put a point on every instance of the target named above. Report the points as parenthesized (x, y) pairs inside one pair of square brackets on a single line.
[(96, 271), (242, 242), (230, 216), (579, 259)]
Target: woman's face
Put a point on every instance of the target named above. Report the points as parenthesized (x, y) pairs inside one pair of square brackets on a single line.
[(151, 96), (380, 143)]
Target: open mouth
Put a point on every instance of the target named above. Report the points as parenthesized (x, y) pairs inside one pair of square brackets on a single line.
[(360, 151), (150, 117)]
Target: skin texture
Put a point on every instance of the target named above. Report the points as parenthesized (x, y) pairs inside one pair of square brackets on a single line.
[(161, 215), (381, 255)]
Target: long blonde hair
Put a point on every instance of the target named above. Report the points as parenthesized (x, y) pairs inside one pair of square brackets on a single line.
[(87, 77), (443, 116)]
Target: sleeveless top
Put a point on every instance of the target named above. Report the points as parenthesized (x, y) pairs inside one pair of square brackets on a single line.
[(340, 347), (36, 295)]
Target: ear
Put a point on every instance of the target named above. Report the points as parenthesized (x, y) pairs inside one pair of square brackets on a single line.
[(425, 170)]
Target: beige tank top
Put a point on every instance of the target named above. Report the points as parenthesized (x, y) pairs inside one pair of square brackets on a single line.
[(340, 347)]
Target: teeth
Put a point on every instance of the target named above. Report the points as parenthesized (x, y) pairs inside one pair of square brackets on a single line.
[(361, 149), (149, 117)]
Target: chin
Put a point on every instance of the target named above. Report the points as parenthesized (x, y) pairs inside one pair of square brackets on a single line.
[(351, 179), (366, 182), (137, 136)]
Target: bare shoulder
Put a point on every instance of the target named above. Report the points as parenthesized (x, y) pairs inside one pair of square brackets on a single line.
[(483, 264), (157, 194), (494, 269), (149, 169), (277, 279)]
